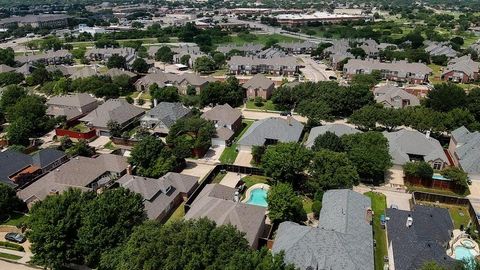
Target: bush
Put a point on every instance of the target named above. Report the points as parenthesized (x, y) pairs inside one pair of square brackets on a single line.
[(418, 169), (258, 102), (316, 207), (140, 101), (129, 99), (12, 246)]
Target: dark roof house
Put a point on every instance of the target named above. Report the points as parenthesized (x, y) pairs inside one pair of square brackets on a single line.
[(342, 241), (163, 116)]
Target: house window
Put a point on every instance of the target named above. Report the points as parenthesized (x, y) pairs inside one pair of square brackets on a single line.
[(437, 165)]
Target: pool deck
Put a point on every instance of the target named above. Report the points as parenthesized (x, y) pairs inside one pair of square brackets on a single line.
[(248, 193), (457, 239)]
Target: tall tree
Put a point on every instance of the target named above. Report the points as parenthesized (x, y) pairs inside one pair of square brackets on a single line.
[(284, 204), (140, 66), (9, 200), (116, 61), (331, 170), (286, 162), (328, 141), (7, 57), (165, 94), (164, 54), (204, 64), (445, 97)]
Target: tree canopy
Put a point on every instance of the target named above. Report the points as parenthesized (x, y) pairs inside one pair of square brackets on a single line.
[(284, 204), (229, 91), (9, 200), (165, 94), (328, 141), (164, 54)]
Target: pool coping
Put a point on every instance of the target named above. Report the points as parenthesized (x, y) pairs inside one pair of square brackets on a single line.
[(249, 190), (457, 241)]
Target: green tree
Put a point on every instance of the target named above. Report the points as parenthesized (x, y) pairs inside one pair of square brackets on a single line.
[(473, 102), (368, 153), (11, 95), (257, 153), (418, 169), (51, 43), (146, 152), (8, 78), (194, 130), (440, 60), (366, 118), (445, 97), (229, 92), (164, 54), (39, 76), (458, 176), (105, 42), (284, 204), (315, 110), (9, 201), (115, 129), (80, 148), (79, 53), (7, 57), (19, 132), (54, 224), (331, 170), (219, 59), (432, 265), (358, 52), (204, 64), (108, 221), (286, 162), (328, 141), (165, 94), (271, 41), (185, 60), (116, 61), (140, 66)]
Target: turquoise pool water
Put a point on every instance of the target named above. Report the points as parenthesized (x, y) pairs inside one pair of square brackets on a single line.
[(258, 197), (465, 254)]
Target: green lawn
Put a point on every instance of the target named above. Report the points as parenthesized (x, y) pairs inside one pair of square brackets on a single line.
[(267, 105), (458, 213), (378, 206), (16, 219), (307, 204), (230, 153), (80, 127), (9, 256), (411, 188), (110, 146), (254, 179), (262, 39), (178, 214)]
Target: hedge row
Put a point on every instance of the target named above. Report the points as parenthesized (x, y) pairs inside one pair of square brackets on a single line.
[(11, 246)]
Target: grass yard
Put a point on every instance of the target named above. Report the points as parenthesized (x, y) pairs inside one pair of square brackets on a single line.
[(255, 179), (80, 127), (262, 39), (411, 188), (230, 153), (178, 214), (110, 146), (267, 105), (16, 219), (458, 213), (307, 204), (379, 204), (9, 256)]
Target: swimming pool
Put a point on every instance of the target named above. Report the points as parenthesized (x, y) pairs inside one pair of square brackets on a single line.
[(258, 196), (467, 255)]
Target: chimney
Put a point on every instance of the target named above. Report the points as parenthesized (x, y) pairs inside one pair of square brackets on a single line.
[(427, 134), (129, 169)]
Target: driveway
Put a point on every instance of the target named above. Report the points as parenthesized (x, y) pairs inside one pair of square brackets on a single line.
[(213, 154), (197, 169), (25, 255), (399, 198), (394, 177), (474, 190), (243, 158), (314, 71), (99, 142), (231, 179)]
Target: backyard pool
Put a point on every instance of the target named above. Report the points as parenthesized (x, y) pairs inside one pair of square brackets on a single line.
[(258, 196), (467, 255)]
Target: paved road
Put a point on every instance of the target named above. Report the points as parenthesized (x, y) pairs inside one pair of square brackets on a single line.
[(313, 71)]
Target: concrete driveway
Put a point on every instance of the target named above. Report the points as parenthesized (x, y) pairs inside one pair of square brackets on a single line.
[(213, 154), (25, 255), (99, 142), (243, 158), (474, 190), (197, 169), (399, 198), (231, 179)]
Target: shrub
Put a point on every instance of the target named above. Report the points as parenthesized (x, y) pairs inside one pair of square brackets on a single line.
[(12, 246), (418, 169), (258, 102), (316, 207), (129, 100), (140, 101)]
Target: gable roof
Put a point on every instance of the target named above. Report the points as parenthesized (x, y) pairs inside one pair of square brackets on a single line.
[(5, 68), (167, 112), (158, 194), (223, 114), (74, 100), (276, 128), (468, 149), (78, 172), (117, 110), (393, 96), (337, 129), (84, 72), (115, 72), (465, 65), (417, 70), (259, 81), (46, 157), (215, 202), (343, 239), (163, 79), (12, 162), (405, 142), (425, 240)]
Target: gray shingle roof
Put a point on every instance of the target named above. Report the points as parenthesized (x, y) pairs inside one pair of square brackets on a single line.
[(46, 157), (158, 194), (468, 149), (424, 241), (223, 115), (337, 129), (393, 96), (117, 110), (419, 70), (167, 113), (5, 68), (74, 100), (343, 240), (404, 142), (465, 65), (115, 72), (215, 202), (259, 81), (275, 128)]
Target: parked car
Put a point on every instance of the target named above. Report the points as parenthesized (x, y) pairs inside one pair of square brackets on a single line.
[(15, 237)]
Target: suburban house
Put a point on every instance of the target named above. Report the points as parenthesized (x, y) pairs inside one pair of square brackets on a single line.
[(425, 240), (337, 129), (103, 54), (271, 131), (160, 118), (227, 121), (401, 71), (284, 66), (182, 82), (342, 240), (48, 58), (84, 72), (437, 49), (113, 110), (192, 50), (163, 195), (79, 172), (461, 70), (259, 86), (18, 169), (71, 106), (115, 72), (394, 97), (218, 203), (464, 149), (411, 145)]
